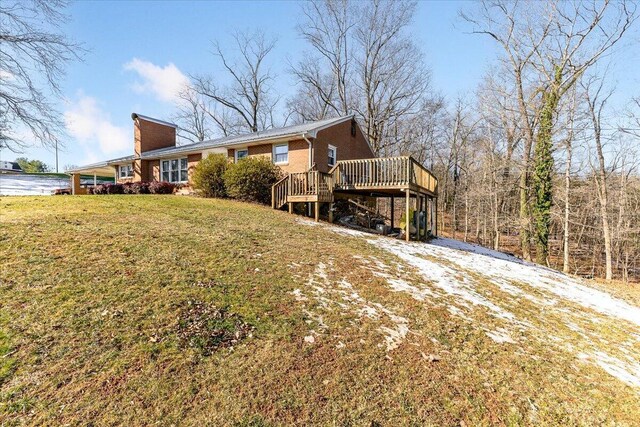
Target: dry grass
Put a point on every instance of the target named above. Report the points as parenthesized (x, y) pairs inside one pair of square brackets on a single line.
[(92, 290)]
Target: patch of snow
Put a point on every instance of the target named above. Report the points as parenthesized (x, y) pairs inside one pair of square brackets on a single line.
[(299, 296), (551, 307), (500, 336), (629, 374), (329, 293), (497, 266)]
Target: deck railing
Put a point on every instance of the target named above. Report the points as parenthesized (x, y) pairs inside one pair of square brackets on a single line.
[(302, 184), (391, 172), (279, 193), (363, 174)]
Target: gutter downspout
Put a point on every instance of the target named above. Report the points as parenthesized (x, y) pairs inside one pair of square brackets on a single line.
[(304, 136)]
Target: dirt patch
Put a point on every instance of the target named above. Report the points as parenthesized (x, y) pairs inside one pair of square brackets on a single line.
[(207, 328)]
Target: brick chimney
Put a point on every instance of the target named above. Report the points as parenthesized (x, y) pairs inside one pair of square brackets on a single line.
[(149, 134)]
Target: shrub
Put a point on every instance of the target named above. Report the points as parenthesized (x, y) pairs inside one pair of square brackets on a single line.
[(161, 187), (251, 179), (100, 189), (114, 188), (127, 188), (208, 176), (139, 187)]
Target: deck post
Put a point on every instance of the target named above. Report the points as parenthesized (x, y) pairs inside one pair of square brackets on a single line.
[(407, 223), (317, 211), (290, 207), (419, 225), (392, 211), (273, 197), (435, 209)]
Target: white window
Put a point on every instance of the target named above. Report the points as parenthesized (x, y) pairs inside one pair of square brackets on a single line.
[(125, 171), (241, 154), (174, 170), (281, 153), (333, 155)]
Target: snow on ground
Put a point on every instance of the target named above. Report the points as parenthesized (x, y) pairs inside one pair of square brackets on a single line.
[(340, 296), (514, 302), (30, 185)]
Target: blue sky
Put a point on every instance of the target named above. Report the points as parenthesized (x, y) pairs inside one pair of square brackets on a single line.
[(139, 51)]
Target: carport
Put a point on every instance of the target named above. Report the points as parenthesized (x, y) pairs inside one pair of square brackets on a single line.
[(97, 170)]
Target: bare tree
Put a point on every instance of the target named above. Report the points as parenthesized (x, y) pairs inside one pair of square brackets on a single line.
[(327, 28), (314, 97), (553, 44), (392, 77), (192, 116), (33, 56), (519, 32), (596, 100), (362, 62), (247, 104)]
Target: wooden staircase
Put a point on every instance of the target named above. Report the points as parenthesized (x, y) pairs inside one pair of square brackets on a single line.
[(310, 186)]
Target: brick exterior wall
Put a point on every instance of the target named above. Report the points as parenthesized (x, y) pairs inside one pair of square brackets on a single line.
[(154, 170), (147, 136), (192, 161), (348, 147), (298, 155)]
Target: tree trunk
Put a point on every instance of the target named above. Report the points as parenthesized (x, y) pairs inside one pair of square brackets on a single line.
[(567, 192)]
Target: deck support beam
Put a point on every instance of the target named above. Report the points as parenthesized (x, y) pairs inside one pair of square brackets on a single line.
[(317, 211), (290, 207), (407, 222), (420, 212), (435, 221), (393, 205)]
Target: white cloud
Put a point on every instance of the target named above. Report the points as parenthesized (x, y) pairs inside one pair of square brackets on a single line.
[(163, 82), (89, 124)]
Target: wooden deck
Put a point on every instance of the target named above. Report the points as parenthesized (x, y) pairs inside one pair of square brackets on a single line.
[(379, 177)]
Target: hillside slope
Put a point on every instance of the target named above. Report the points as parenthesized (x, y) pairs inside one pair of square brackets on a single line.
[(173, 310)]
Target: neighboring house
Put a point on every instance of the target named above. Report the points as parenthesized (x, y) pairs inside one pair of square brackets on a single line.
[(322, 161), (13, 167)]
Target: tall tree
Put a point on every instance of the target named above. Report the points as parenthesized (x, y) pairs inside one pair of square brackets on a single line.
[(552, 43), (596, 101), (33, 55), (327, 28), (248, 102), (362, 61)]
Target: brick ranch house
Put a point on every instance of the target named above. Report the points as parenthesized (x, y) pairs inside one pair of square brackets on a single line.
[(298, 148), (322, 161)]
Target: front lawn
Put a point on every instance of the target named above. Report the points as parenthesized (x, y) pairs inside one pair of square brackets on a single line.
[(169, 310)]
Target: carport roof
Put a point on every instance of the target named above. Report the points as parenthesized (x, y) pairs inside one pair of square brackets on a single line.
[(104, 168)]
